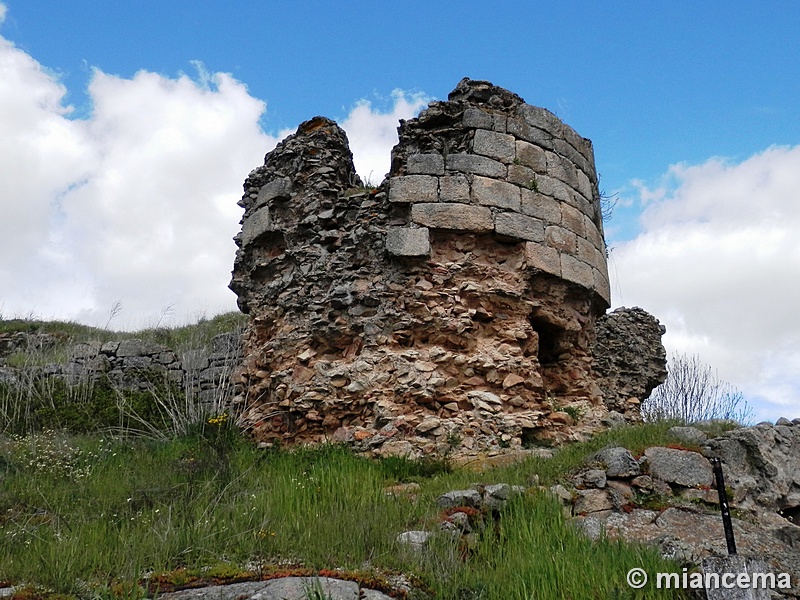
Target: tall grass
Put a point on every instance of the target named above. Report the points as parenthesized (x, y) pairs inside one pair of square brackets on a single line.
[(535, 554), (117, 509), (81, 400), (98, 514), (196, 501), (29, 400), (34, 401)]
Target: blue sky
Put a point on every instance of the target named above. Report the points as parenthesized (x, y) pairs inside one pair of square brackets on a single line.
[(652, 84), (692, 107)]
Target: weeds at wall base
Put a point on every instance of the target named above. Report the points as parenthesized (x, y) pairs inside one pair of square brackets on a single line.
[(86, 405)]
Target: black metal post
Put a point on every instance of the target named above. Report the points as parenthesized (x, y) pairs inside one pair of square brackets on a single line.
[(723, 506)]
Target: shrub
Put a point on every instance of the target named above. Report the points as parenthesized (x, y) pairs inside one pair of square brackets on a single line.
[(693, 392)]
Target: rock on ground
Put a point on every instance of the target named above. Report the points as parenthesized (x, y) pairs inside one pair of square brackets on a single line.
[(684, 468), (287, 588)]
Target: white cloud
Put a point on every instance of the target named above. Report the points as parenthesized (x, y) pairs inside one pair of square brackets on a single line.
[(718, 262), (137, 202), (372, 133), (3, 10)]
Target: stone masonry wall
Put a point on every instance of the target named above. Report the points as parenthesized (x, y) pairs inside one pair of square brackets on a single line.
[(629, 359), (506, 167), (451, 310), (203, 373)]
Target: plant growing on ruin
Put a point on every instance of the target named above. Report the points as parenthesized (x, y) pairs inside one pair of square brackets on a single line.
[(453, 440), (693, 392), (608, 202), (576, 412)]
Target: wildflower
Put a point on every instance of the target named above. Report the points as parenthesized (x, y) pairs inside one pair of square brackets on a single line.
[(263, 534)]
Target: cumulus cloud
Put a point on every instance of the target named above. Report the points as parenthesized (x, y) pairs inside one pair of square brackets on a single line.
[(372, 133), (137, 202), (718, 261)]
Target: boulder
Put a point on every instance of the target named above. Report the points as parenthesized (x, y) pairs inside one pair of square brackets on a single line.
[(680, 467), (690, 435), (285, 588), (618, 461), (414, 540), (761, 464), (460, 498), (592, 501)]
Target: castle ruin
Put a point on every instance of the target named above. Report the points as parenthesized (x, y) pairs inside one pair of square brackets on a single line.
[(455, 308)]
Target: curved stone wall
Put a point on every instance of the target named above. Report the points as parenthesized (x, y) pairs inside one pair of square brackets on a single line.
[(488, 162), (450, 310)]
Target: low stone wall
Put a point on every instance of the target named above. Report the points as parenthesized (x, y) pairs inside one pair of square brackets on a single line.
[(20, 341), (667, 498), (203, 373)]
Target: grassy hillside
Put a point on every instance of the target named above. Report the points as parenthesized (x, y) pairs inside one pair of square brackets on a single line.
[(96, 515), (193, 335), (91, 516)]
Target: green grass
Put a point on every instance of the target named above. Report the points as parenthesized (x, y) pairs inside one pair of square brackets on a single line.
[(194, 335), (62, 329), (86, 405), (31, 401), (87, 515), (183, 337), (554, 470)]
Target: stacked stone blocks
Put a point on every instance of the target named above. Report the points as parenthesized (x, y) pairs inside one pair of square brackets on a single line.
[(458, 300), (134, 364), (525, 177)]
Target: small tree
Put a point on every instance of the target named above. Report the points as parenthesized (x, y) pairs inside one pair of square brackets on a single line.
[(693, 392)]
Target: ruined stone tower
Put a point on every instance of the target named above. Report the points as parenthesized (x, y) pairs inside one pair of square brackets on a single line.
[(451, 309)]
